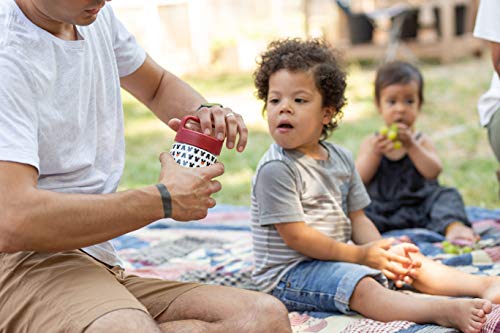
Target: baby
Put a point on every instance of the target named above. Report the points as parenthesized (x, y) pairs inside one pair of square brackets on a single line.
[(400, 167)]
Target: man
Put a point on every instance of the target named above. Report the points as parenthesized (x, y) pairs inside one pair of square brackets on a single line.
[(61, 158), (489, 103)]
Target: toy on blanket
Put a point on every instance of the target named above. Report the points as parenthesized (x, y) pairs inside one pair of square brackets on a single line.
[(457, 247)]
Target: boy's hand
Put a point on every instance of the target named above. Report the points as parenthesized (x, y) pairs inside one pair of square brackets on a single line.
[(404, 249), (393, 264)]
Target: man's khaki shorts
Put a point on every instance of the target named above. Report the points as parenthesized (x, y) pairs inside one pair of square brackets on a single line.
[(67, 291)]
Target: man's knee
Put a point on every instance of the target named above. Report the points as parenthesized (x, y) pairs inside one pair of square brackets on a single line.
[(124, 320), (494, 134), (272, 315)]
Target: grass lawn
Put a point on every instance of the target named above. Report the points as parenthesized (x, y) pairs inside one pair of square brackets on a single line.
[(449, 115)]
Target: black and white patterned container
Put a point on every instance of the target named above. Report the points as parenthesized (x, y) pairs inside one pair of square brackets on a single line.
[(193, 149), (191, 156)]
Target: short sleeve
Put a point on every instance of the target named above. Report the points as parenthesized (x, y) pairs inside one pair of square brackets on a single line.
[(18, 114), (277, 195), (129, 55), (357, 197), (487, 19)]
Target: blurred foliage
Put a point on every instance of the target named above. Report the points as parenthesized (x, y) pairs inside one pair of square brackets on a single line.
[(221, 83)]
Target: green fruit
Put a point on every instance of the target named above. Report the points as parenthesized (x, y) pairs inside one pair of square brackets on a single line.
[(392, 135), (455, 249), (450, 249), (383, 130), (397, 144), (394, 127), (466, 249)]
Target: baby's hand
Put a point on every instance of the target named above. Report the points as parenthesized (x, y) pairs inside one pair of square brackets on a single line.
[(381, 144), (393, 264), (405, 135)]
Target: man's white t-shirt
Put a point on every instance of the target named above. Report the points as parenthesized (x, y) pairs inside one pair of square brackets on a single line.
[(488, 28), (60, 104)]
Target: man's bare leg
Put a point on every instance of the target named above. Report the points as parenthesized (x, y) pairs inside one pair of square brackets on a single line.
[(437, 279), (498, 178), (124, 320), (377, 302), (224, 309)]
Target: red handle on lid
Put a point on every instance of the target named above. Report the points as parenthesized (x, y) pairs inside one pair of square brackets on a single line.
[(200, 140), (186, 118)]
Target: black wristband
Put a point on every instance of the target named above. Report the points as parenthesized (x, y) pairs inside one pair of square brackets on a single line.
[(165, 199), (208, 105)]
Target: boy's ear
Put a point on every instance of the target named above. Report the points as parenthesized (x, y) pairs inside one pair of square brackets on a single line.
[(328, 113)]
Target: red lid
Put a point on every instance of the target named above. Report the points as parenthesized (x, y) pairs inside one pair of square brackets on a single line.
[(197, 139)]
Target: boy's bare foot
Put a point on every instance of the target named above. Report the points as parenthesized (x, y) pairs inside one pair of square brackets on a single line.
[(466, 315), (492, 290)]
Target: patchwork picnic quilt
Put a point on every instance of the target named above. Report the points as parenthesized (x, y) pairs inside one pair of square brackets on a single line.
[(218, 250)]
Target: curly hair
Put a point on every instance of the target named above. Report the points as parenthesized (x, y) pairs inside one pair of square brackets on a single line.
[(398, 72), (312, 55)]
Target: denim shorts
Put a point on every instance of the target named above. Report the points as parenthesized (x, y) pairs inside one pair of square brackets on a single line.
[(323, 286)]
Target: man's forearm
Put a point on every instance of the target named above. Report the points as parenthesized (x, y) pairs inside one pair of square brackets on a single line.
[(47, 221), (174, 98), (161, 91)]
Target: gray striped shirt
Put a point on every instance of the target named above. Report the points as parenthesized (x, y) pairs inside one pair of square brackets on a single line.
[(289, 186)]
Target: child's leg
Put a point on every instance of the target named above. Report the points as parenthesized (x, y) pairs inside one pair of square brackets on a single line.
[(377, 302), (445, 206), (438, 279), (459, 232), (323, 286)]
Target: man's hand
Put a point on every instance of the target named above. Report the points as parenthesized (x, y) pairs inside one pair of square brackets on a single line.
[(222, 123), (190, 188), (170, 98)]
